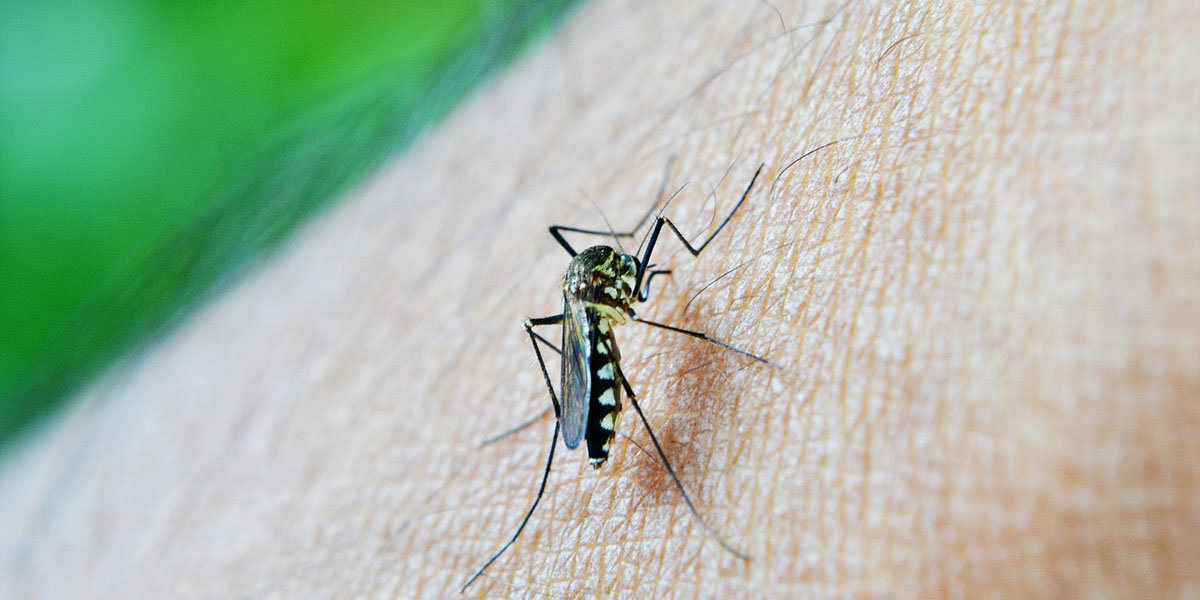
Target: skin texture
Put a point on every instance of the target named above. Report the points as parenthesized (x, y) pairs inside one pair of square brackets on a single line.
[(984, 298)]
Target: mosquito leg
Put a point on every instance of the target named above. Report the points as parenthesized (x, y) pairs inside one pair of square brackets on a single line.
[(517, 429), (525, 521), (531, 421), (533, 339), (670, 471), (644, 294), (555, 230), (695, 250), (546, 342), (703, 336)]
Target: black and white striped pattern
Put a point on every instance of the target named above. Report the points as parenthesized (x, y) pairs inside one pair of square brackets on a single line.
[(605, 402)]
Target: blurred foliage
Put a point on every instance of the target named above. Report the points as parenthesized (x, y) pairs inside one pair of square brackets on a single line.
[(149, 150)]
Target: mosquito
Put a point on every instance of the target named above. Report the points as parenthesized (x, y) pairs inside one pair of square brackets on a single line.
[(599, 289)]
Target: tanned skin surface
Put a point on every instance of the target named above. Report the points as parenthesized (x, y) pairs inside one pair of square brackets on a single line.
[(982, 287)]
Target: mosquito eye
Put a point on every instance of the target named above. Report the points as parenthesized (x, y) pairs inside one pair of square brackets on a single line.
[(630, 263)]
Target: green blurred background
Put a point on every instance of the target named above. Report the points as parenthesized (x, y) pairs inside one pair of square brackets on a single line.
[(150, 150)]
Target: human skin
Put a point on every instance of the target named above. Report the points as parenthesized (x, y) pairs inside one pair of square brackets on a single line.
[(974, 257)]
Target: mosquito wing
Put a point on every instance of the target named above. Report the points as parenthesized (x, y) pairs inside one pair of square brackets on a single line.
[(576, 382)]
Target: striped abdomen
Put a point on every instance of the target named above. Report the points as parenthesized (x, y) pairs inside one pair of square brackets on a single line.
[(605, 401)]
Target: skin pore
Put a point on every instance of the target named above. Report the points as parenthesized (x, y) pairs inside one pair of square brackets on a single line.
[(975, 254)]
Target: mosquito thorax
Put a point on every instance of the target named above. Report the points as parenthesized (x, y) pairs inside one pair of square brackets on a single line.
[(604, 278)]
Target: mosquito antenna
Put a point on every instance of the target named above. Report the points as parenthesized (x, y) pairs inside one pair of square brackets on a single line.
[(660, 212), (658, 196), (611, 231)]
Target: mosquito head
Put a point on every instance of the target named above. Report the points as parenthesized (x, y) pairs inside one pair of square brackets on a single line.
[(602, 276), (625, 271), (627, 265)]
